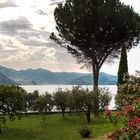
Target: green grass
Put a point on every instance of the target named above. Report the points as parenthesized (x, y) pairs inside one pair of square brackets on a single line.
[(56, 128)]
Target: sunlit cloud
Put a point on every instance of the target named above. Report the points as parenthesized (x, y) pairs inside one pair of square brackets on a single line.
[(25, 27)]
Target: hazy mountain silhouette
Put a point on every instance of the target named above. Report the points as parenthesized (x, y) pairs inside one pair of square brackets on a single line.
[(42, 76), (5, 80)]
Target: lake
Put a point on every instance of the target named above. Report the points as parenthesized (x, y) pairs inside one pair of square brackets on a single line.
[(52, 88)]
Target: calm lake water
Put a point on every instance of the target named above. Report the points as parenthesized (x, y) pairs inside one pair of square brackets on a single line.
[(52, 88)]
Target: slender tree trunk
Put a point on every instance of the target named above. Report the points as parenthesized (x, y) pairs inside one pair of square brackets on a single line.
[(95, 89), (43, 119), (88, 116), (63, 112), (70, 112), (0, 128), (26, 114)]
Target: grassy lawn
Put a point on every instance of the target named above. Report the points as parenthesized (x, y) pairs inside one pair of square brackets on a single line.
[(56, 128)]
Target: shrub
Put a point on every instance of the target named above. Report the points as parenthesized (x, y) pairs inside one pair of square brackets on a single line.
[(11, 103), (43, 104), (85, 131), (60, 100), (104, 98), (82, 100), (129, 91), (131, 122)]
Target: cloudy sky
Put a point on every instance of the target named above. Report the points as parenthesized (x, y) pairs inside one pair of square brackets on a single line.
[(25, 26)]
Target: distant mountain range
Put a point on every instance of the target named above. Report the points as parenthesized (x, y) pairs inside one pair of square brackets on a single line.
[(41, 77)]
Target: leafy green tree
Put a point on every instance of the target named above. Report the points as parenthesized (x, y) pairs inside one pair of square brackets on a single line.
[(104, 98), (123, 67), (70, 103), (30, 99), (11, 103), (83, 101), (43, 104), (60, 100), (94, 31)]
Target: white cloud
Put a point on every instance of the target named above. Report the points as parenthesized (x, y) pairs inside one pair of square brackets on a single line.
[(7, 3), (134, 60), (25, 26)]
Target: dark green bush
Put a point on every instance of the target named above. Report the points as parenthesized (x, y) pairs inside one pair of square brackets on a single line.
[(85, 131)]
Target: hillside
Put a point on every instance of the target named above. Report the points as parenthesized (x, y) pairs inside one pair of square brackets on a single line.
[(104, 79), (42, 76), (5, 80)]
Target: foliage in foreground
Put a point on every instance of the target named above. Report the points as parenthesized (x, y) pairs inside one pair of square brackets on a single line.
[(129, 91), (128, 100), (11, 103), (130, 129)]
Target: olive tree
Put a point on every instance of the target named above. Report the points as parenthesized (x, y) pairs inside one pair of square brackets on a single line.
[(104, 98), (60, 100), (11, 103), (30, 99), (43, 104), (82, 101)]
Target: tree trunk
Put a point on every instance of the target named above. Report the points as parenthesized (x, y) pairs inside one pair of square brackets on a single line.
[(95, 89), (70, 112), (63, 113), (88, 116), (43, 119), (26, 113), (0, 129)]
